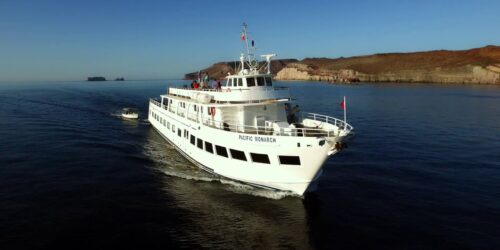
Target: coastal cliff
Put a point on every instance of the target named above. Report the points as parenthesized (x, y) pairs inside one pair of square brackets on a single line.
[(474, 66)]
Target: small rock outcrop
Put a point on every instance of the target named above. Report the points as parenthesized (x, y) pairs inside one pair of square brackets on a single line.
[(96, 79)]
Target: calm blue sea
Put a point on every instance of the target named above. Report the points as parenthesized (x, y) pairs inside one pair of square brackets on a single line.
[(422, 172)]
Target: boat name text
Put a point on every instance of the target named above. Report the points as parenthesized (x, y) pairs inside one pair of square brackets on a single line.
[(257, 138)]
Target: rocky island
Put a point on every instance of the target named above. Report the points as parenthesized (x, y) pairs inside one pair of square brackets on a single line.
[(96, 79), (473, 66)]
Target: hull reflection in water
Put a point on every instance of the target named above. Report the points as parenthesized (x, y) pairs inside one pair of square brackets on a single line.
[(218, 215)]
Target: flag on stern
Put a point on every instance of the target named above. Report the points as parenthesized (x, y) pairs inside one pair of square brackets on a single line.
[(242, 36), (342, 104)]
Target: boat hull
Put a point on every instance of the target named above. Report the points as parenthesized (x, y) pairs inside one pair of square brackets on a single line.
[(273, 175)]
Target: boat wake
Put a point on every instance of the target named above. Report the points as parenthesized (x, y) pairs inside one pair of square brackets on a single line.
[(171, 163), (230, 185)]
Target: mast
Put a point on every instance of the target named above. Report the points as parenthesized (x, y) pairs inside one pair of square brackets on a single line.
[(250, 56), (245, 36)]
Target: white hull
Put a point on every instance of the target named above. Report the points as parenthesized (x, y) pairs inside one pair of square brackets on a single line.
[(293, 178)]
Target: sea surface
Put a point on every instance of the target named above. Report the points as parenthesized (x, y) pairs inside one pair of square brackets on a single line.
[(422, 172)]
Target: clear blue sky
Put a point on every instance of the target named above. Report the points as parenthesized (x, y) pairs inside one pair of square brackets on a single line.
[(70, 40)]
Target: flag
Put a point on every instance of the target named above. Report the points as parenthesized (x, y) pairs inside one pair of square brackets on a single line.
[(253, 43), (342, 104), (242, 36)]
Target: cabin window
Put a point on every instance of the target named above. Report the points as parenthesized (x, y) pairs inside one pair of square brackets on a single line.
[(269, 81), (260, 158), (173, 128), (250, 82), (221, 151), (164, 123), (208, 147), (192, 139), (186, 134), (260, 81), (195, 108), (224, 83), (168, 125), (238, 155), (200, 143), (179, 132), (239, 81), (289, 160)]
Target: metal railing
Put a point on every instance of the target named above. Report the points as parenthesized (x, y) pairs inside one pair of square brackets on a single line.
[(154, 101), (266, 88), (342, 125), (300, 131)]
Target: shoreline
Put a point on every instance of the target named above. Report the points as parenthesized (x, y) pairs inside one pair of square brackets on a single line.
[(392, 83)]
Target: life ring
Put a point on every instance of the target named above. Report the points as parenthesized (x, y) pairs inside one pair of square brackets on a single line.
[(212, 111)]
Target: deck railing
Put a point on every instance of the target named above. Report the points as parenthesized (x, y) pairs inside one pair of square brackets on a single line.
[(235, 95), (225, 89), (341, 127), (341, 124)]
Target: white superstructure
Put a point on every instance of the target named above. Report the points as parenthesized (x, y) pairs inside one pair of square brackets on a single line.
[(248, 130)]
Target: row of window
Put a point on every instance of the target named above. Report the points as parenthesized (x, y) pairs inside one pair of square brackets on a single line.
[(251, 82), (222, 151), (240, 155)]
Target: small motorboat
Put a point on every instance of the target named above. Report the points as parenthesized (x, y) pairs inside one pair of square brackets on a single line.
[(130, 113)]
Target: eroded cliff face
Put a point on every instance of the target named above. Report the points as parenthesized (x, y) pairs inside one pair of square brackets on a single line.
[(468, 74), (297, 71)]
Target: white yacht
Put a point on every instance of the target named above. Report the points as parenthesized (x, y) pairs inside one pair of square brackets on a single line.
[(248, 130)]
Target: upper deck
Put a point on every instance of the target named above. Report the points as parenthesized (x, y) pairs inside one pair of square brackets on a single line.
[(245, 87), (236, 95)]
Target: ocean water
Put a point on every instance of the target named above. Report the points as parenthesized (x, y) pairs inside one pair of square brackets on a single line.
[(422, 172)]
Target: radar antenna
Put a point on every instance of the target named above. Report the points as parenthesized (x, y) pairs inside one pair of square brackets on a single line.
[(268, 61)]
